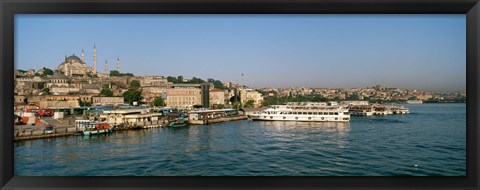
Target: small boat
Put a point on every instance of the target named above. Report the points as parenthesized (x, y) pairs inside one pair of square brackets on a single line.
[(49, 129), (98, 128), (177, 123)]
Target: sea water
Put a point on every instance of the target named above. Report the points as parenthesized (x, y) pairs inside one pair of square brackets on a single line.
[(430, 141)]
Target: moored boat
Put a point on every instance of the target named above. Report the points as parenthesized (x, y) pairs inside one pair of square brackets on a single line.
[(178, 123), (97, 128), (307, 111)]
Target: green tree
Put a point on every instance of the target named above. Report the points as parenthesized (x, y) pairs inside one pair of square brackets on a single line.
[(180, 79), (84, 103), (114, 73), (249, 104), (196, 80), (172, 79), (47, 71), (132, 95), (158, 101), (106, 92), (353, 97), (135, 84), (217, 106), (46, 91)]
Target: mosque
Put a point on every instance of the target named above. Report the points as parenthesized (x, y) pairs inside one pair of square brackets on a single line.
[(74, 66)]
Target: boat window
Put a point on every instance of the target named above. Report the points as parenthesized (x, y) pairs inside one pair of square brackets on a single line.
[(310, 113), (315, 113), (304, 113), (346, 113), (336, 113), (330, 113)]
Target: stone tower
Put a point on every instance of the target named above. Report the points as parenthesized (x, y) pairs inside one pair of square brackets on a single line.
[(94, 59)]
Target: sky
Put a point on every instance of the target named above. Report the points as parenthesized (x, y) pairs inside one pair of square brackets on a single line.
[(424, 52)]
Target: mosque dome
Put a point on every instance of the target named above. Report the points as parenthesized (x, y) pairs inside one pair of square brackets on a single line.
[(74, 65), (73, 58)]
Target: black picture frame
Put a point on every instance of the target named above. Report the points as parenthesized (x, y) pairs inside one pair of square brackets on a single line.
[(11, 7)]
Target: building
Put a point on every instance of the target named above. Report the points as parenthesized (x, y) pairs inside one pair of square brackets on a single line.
[(183, 97), (205, 87), (107, 101), (249, 94), (157, 81), (74, 66), (217, 96)]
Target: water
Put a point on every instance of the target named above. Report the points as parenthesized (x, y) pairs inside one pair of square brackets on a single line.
[(430, 141)]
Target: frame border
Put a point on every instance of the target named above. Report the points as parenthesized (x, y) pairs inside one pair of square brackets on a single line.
[(8, 9)]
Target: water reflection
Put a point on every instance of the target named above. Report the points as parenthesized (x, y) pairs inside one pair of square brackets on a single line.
[(326, 127)]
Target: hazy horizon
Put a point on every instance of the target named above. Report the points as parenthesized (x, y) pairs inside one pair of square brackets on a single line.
[(424, 52)]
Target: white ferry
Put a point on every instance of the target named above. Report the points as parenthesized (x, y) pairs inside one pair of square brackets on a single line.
[(308, 111)]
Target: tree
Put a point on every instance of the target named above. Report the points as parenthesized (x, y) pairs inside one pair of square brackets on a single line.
[(353, 97), (196, 80), (132, 95), (114, 73), (84, 103), (47, 71), (172, 79), (218, 106), (106, 92), (249, 104), (180, 79), (46, 91), (158, 101), (135, 84), (218, 84)]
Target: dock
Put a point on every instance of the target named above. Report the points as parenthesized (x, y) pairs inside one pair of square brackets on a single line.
[(43, 136), (217, 120)]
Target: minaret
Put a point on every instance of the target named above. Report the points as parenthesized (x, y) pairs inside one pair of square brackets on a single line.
[(94, 59), (118, 65), (66, 69), (83, 57), (106, 67)]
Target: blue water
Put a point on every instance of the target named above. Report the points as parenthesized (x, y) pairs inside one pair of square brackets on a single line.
[(430, 141)]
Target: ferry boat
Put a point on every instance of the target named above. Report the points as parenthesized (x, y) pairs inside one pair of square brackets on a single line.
[(306, 111), (414, 102), (361, 110)]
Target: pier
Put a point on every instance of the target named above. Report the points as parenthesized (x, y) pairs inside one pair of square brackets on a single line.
[(217, 120)]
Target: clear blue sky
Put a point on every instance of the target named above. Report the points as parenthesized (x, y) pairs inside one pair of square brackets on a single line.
[(426, 52)]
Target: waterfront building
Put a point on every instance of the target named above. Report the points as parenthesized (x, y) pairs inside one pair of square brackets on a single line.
[(217, 96), (249, 94), (184, 96), (131, 117), (107, 101), (205, 87)]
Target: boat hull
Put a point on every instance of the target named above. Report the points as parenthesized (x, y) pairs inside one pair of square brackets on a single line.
[(306, 118)]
